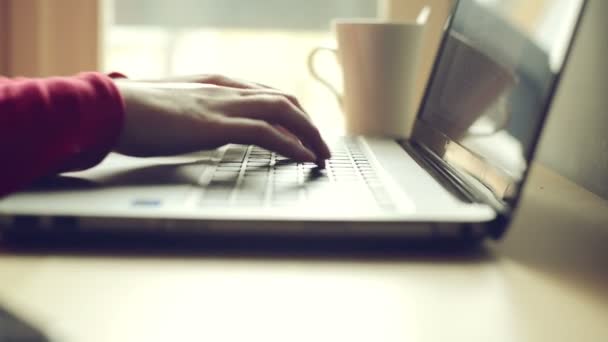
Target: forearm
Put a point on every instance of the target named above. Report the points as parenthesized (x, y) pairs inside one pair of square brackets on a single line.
[(55, 124)]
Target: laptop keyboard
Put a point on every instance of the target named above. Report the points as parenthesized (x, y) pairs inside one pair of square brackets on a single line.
[(253, 176)]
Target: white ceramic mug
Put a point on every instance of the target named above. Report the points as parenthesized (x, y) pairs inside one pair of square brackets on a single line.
[(379, 62)]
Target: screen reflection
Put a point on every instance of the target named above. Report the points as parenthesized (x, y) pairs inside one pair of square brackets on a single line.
[(488, 93)]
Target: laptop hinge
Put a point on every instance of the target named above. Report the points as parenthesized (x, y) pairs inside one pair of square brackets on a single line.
[(452, 179)]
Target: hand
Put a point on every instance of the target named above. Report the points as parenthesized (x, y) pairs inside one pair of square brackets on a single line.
[(188, 114)]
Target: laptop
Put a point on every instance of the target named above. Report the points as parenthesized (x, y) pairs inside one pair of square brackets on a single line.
[(459, 176)]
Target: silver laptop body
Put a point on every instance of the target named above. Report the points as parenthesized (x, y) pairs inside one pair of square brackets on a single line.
[(459, 176)]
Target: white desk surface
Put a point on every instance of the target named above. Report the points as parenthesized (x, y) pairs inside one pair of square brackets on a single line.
[(546, 281)]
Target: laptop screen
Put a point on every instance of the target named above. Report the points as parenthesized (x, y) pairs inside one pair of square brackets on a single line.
[(491, 86)]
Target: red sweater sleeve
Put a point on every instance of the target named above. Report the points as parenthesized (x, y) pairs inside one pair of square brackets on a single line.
[(55, 124)]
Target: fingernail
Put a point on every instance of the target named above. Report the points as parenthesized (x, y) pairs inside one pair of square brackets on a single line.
[(310, 156)]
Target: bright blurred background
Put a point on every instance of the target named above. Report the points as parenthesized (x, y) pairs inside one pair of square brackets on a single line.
[(265, 41)]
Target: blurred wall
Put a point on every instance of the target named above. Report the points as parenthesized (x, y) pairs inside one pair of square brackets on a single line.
[(50, 37), (575, 140), (258, 14), (3, 37)]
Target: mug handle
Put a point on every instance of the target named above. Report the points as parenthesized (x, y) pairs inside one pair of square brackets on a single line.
[(311, 68)]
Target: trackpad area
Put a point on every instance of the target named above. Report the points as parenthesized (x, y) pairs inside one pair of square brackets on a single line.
[(121, 183)]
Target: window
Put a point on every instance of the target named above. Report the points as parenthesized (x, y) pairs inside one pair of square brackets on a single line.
[(266, 41)]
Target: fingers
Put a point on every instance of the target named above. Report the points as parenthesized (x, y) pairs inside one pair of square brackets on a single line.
[(251, 88), (255, 132), (216, 79), (275, 92), (259, 105), (320, 161), (277, 110), (224, 81), (248, 88)]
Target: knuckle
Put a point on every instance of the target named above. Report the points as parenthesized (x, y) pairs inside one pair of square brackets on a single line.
[(216, 78), (281, 102), (210, 77), (217, 126), (292, 98), (261, 129)]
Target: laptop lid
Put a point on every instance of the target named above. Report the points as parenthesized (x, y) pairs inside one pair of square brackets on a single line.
[(492, 84)]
